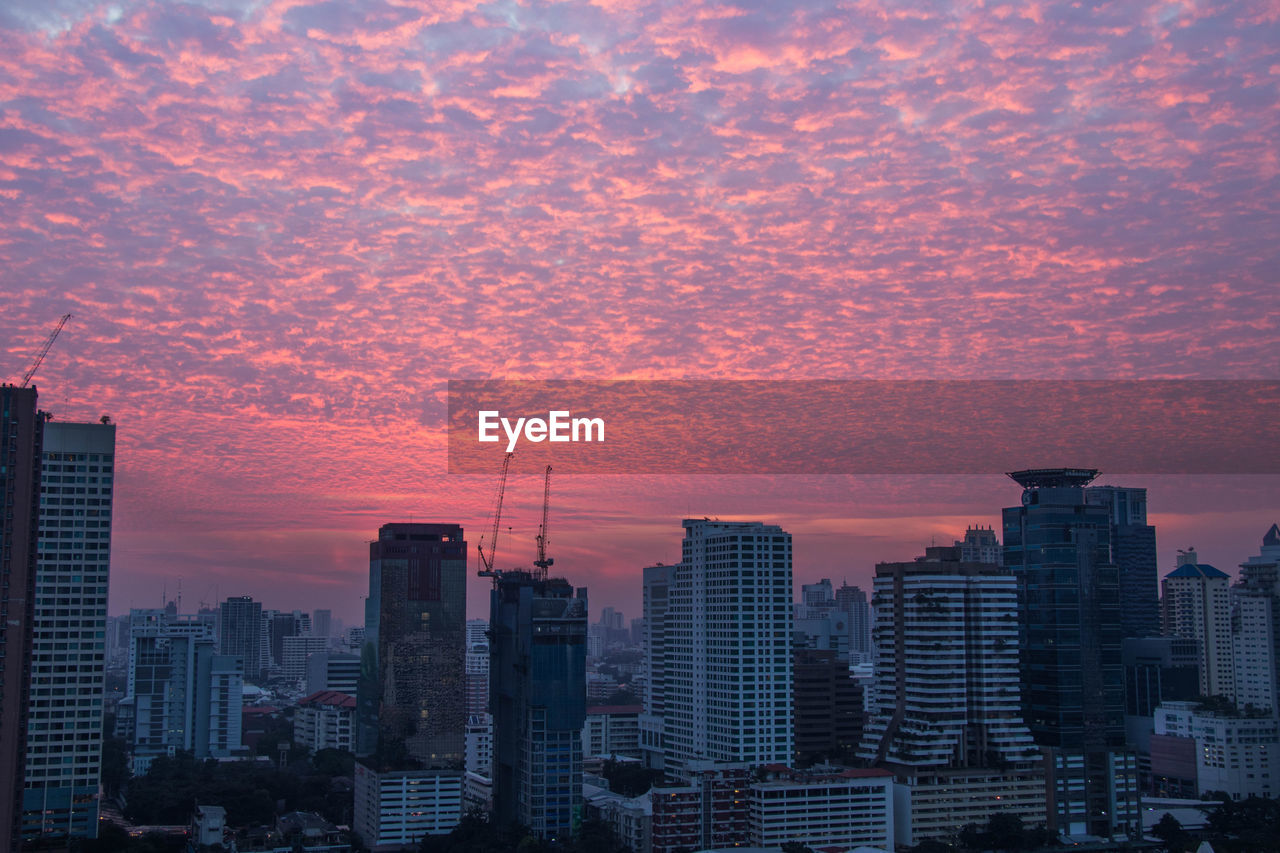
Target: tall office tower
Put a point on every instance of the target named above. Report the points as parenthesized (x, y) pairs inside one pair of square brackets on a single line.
[(1133, 550), (68, 647), (411, 709), (241, 633), (816, 599), (478, 677), (183, 696), (1197, 605), (538, 698), (1059, 548), (853, 602), (656, 595), (322, 623), (727, 639), (1255, 628), (21, 435), (945, 712)]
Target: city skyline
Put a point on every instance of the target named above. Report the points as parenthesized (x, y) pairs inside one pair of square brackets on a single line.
[(281, 228)]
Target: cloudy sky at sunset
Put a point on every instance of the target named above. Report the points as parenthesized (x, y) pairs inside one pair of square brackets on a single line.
[(282, 226)]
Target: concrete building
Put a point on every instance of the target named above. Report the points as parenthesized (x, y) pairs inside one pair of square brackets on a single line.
[(333, 671), (480, 745), (68, 641), (325, 720), (1156, 669), (612, 730), (296, 651), (537, 693), (1196, 604), (656, 596), (1235, 754), (411, 699), (1255, 628), (946, 714), (181, 694), (1059, 548), (395, 809), (709, 810), (837, 809), (852, 601), (21, 437), (725, 631)]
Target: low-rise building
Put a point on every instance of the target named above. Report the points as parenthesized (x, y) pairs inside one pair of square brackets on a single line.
[(1236, 753), (832, 809), (397, 808), (612, 730), (325, 720)]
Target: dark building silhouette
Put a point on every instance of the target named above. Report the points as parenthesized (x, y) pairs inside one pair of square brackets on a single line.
[(828, 707), (240, 633), (538, 697), (1133, 550), (1059, 548), (413, 687), (1156, 669), (20, 442)]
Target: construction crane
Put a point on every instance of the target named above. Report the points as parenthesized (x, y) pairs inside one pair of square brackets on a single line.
[(43, 351), (544, 562), (487, 560)]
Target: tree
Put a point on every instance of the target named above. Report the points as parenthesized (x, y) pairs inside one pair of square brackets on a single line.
[(1170, 831)]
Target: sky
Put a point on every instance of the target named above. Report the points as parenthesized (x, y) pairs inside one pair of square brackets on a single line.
[(281, 227)]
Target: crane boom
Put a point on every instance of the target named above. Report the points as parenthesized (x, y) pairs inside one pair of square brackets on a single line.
[(543, 562), (487, 560), (43, 351)]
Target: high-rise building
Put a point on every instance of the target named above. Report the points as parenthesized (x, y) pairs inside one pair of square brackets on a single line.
[(852, 601), (411, 700), (1255, 628), (980, 545), (182, 695), (538, 699), (1197, 606), (1156, 670), (322, 623), (656, 594), (1058, 547), (726, 640), (1133, 550), (68, 647), (21, 435), (240, 633), (828, 707), (945, 710)]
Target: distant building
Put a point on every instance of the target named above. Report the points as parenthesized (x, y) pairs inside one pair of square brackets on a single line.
[(1255, 628), (333, 671), (612, 730), (181, 694), (325, 720), (537, 695), (852, 601), (980, 545), (241, 633), (480, 745), (1197, 605), (1156, 669), (297, 649)]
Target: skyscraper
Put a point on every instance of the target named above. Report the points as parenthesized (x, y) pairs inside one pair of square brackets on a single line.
[(726, 646), (240, 633), (538, 699), (1133, 550), (945, 709), (411, 699), (68, 648), (1058, 547), (1255, 628), (1197, 606), (20, 441), (853, 602)]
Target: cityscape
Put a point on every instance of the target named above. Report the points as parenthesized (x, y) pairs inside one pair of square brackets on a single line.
[(1028, 686), (635, 426)]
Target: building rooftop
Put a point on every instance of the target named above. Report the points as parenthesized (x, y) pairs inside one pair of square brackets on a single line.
[(1196, 570), (1031, 478), (329, 697)]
